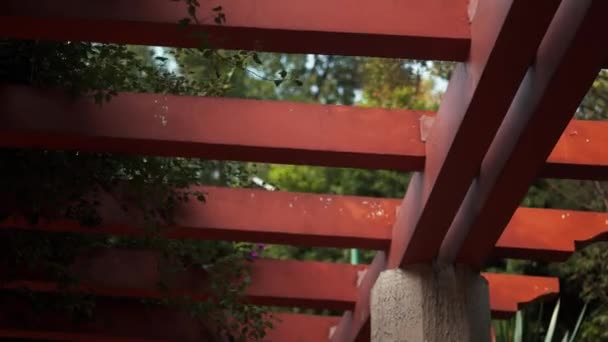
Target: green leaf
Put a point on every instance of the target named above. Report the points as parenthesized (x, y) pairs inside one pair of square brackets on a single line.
[(207, 53), (578, 323), (519, 329), (184, 22), (298, 83), (552, 323), (257, 59)]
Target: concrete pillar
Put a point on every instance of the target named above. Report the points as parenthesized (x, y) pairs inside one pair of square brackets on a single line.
[(430, 303)]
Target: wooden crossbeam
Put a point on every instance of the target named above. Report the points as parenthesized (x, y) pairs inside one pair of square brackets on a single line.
[(509, 292), (251, 215), (550, 235), (120, 321), (580, 152), (214, 128), (250, 130), (505, 33), (319, 220), (135, 274), (421, 29), (567, 62)]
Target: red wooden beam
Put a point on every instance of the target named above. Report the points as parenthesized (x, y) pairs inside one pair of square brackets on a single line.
[(505, 33), (509, 292), (254, 216), (213, 128), (550, 234), (580, 152), (330, 221), (135, 274), (355, 325), (121, 321), (567, 63), (421, 29), (249, 130)]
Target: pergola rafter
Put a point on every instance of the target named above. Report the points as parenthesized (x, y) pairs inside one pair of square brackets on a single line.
[(278, 132), (431, 29), (120, 321), (135, 274), (302, 219), (567, 62), (505, 120)]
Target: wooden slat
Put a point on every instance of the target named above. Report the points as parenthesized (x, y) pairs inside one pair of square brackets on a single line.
[(422, 29), (568, 61), (509, 292), (505, 33), (120, 321), (255, 216), (134, 273), (580, 152), (303, 219), (550, 234), (248, 130), (213, 128)]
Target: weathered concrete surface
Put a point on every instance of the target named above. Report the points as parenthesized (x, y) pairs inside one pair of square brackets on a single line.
[(430, 303)]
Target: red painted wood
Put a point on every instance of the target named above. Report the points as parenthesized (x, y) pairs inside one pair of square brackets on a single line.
[(580, 152), (134, 273), (252, 130), (214, 128), (355, 325), (331, 221), (341, 331), (478, 97), (509, 292), (120, 321), (567, 63), (429, 29), (550, 234), (254, 216)]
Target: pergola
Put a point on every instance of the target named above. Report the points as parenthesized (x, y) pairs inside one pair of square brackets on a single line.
[(505, 120)]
